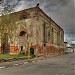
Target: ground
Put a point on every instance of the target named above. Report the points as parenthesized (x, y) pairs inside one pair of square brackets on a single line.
[(60, 65)]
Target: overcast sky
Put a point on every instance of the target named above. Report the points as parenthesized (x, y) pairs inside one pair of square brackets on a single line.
[(61, 11)]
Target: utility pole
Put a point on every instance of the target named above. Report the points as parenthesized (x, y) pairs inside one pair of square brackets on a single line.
[(28, 47)]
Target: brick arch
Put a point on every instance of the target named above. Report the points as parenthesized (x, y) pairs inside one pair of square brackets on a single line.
[(22, 30), (22, 33), (22, 36)]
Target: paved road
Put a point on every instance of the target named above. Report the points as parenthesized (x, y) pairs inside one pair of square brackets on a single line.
[(60, 65)]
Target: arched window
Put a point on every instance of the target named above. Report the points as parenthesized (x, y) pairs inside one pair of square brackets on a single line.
[(48, 35), (52, 38), (22, 33)]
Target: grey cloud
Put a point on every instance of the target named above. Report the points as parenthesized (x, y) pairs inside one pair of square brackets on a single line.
[(52, 5), (61, 11)]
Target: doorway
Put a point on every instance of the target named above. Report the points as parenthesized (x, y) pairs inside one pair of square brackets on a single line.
[(22, 40), (5, 45)]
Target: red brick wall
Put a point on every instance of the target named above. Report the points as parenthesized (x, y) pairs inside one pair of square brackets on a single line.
[(50, 49), (14, 49), (0, 49)]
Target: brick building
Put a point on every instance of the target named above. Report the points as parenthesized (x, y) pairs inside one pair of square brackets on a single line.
[(33, 28)]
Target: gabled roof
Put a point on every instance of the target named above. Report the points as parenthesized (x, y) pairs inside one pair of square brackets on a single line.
[(37, 9)]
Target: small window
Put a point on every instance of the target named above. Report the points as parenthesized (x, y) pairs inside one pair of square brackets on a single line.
[(21, 48), (23, 17)]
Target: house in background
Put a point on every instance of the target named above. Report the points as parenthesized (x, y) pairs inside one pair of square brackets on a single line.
[(69, 46), (34, 29)]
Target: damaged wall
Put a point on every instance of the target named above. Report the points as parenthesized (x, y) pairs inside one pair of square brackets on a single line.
[(34, 25)]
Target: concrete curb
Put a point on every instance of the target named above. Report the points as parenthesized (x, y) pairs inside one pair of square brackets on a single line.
[(13, 59)]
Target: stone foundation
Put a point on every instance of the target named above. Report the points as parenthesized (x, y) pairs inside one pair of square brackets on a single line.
[(50, 50)]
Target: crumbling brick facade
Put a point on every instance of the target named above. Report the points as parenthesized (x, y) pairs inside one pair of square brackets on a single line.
[(35, 28)]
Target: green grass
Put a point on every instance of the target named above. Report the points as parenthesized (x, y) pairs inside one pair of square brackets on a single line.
[(11, 56), (2, 56)]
